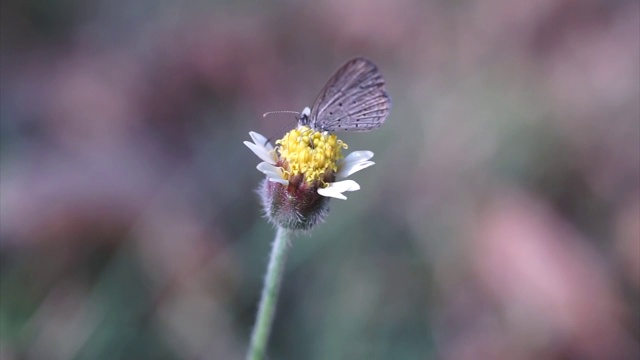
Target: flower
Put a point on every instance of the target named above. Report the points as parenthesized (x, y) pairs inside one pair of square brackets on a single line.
[(303, 171)]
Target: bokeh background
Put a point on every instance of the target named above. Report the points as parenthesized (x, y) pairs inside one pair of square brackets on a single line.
[(501, 220)]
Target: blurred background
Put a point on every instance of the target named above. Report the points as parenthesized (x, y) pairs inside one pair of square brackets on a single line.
[(500, 222)]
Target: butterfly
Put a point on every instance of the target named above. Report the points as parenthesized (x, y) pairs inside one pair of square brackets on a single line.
[(354, 99)]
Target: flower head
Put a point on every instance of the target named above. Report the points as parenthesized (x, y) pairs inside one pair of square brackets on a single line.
[(303, 171)]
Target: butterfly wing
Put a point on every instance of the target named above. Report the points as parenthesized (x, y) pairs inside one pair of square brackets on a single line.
[(354, 99)]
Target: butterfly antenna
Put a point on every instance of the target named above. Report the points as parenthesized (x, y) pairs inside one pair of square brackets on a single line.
[(288, 126), (280, 112)]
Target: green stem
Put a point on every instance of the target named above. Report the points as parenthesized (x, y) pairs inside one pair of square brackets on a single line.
[(269, 297)]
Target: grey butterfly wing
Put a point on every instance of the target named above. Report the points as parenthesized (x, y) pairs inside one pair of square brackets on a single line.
[(354, 99)]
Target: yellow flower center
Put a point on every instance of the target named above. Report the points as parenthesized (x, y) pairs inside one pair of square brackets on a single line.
[(310, 152)]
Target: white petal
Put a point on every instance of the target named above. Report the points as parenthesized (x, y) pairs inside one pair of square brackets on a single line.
[(278, 180), (262, 152), (274, 173), (260, 140), (351, 168), (276, 177), (358, 156), (327, 192), (336, 189), (270, 169), (353, 163)]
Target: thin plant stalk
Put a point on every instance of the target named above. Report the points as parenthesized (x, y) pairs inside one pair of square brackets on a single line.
[(269, 296)]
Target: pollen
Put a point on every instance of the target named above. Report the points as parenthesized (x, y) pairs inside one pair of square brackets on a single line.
[(310, 153)]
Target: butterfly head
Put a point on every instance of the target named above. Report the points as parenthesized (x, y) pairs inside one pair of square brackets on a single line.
[(304, 117)]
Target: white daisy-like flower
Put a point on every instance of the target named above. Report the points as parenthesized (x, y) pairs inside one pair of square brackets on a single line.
[(345, 167), (305, 169)]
